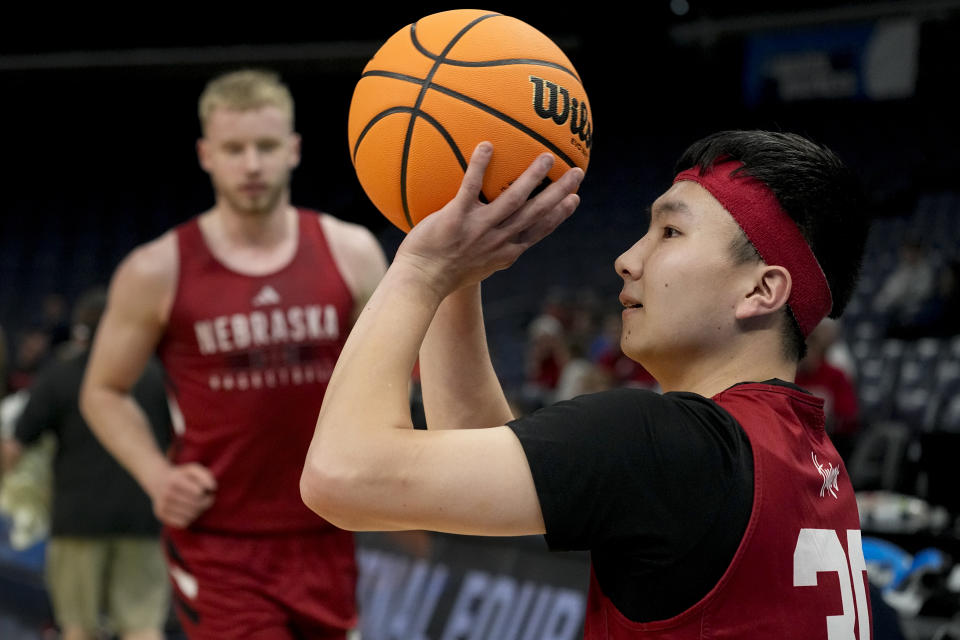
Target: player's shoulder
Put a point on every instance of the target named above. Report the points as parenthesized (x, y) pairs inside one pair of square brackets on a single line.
[(626, 396), (355, 248), (628, 409), (611, 406), (154, 259), (343, 232), (147, 276)]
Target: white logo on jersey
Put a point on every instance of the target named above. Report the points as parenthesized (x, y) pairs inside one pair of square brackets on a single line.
[(185, 582), (829, 474), (267, 295)]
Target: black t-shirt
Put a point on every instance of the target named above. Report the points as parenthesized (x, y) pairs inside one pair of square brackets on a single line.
[(92, 494), (659, 488)]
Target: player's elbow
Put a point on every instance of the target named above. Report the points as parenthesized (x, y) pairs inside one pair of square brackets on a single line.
[(87, 402), (351, 476), (325, 489), (312, 488), (94, 403)]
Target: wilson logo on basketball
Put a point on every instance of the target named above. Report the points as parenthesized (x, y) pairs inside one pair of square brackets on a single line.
[(547, 99)]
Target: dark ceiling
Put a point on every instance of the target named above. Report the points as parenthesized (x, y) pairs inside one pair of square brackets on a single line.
[(285, 23)]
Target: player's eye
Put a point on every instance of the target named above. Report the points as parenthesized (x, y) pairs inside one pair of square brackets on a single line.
[(670, 232)]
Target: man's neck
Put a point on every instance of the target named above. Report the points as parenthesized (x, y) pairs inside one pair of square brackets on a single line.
[(252, 244), (708, 376), (232, 228)]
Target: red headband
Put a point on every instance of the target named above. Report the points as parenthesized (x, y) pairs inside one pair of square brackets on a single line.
[(773, 233)]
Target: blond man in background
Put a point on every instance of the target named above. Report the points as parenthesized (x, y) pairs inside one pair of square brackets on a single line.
[(248, 306)]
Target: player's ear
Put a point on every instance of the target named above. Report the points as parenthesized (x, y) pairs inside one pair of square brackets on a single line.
[(203, 153), (294, 150), (771, 290)]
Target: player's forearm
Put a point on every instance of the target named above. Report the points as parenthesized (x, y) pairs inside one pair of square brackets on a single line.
[(460, 385), (122, 428), (367, 400), (369, 388)]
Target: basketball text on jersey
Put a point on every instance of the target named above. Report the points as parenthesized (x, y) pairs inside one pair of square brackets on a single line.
[(572, 109), (239, 331)]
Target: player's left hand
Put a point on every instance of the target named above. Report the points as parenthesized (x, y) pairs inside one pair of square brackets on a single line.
[(467, 240)]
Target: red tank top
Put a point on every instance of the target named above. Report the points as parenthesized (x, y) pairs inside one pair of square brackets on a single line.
[(799, 572), (248, 359)]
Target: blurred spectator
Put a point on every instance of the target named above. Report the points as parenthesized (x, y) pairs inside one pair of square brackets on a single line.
[(619, 369), (607, 337), (583, 317), (27, 486), (939, 315), (839, 353), (547, 355), (104, 550), (819, 376), (556, 304), (580, 375), (908, 287), (946, 321), (54, 319), (622, 371), (32, 350)]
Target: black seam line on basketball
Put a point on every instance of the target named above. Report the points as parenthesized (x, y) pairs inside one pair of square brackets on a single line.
[(482, 106), (432, 56), (505, 63), (426, 116), (489, 63), (427, 81), (377, 118)]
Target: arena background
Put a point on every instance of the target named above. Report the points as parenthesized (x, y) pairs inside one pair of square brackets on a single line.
[(100, 114)]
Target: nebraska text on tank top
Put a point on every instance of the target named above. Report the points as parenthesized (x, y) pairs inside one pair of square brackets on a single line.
[(248, 359), (799, 572)]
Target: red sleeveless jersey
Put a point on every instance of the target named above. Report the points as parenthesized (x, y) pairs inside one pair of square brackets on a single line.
[(799, 572), (248, 359)]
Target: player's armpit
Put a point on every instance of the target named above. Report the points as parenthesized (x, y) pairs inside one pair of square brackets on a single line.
[(473, 482)]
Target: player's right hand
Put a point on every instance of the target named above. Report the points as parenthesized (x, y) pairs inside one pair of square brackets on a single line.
[(181, 493), (467, 240)]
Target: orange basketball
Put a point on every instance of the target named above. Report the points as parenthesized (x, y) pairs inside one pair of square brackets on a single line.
[(442, 85)]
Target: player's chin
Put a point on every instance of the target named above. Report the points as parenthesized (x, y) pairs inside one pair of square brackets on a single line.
[(253, 205), (639, 351)]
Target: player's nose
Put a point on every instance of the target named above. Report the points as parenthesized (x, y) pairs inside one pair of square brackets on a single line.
[(629, 265), (251, 159)]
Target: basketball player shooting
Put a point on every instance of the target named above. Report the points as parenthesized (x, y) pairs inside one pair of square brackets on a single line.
[(718, 507), (248, 305)]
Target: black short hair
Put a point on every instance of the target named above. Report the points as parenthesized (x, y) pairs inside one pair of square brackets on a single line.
[(817, 190)]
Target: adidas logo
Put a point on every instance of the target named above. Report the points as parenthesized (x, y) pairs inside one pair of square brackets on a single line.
[(267, 296)]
